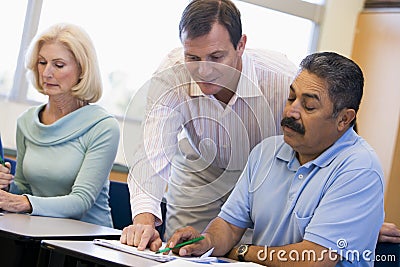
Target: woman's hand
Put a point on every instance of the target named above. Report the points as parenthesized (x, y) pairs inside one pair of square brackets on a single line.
[(14, 203), (5, 176)]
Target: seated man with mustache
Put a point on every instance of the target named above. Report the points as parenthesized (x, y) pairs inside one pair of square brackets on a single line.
[(313, 196)]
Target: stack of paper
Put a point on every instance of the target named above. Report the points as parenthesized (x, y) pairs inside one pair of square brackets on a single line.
[(116, 244)]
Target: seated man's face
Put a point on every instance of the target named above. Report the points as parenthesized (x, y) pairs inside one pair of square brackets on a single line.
[(212, 60), (307, 124)]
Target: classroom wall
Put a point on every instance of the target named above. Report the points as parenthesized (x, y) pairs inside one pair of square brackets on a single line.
[(339, 25), (392, 196), (376, 50)]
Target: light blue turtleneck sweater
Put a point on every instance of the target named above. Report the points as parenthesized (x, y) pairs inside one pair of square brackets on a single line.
[(63, 168)]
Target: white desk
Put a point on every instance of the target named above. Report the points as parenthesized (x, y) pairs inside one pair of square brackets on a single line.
[(21, 234), (55, 253)]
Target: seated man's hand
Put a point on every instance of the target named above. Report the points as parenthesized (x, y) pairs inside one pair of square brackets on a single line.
[(5, 177), (142, 233), (185, 234), (389, 233)]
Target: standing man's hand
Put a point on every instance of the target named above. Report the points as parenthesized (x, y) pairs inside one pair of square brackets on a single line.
[(142, 233)]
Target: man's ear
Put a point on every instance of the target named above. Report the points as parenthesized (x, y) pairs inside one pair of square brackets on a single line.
[(346, 116), (241, 45)]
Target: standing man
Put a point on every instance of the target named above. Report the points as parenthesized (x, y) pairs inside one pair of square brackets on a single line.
[(314, 196), (208, 105)]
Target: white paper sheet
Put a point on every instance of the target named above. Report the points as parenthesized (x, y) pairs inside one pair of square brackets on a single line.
[(116, 244)]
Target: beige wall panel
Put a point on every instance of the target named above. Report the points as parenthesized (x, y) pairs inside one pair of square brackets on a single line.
[(377, 50), (392, 199)]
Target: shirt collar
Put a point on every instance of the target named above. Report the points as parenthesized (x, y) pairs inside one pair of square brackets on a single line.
[(288, 155), (349, 138)]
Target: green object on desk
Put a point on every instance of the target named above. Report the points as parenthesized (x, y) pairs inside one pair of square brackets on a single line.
[(191, 241)]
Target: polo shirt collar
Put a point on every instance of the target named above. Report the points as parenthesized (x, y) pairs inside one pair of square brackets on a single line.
[(349, 138), (287, 154)]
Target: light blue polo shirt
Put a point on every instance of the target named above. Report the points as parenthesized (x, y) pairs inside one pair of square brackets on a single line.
[(335, 200)]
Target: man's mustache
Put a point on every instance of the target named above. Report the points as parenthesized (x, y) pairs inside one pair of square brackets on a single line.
[(292, 124)]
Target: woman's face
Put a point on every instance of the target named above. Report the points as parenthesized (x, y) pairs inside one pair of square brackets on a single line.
[(58, 69)]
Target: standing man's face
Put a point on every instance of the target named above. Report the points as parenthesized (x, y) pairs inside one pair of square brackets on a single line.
[(213, 62)]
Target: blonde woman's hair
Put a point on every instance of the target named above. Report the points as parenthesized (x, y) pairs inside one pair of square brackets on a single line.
[(89, 87)]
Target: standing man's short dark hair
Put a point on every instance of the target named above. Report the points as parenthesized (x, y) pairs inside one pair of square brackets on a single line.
[(199, 16)]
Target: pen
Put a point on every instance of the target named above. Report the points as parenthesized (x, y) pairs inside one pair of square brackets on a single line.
[(2, 162), (191, 241)]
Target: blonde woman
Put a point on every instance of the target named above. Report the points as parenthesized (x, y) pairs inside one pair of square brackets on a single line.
[(65, 147)]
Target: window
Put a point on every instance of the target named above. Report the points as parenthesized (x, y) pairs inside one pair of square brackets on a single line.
[(274, 30), (11, 13), (130, 40)]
